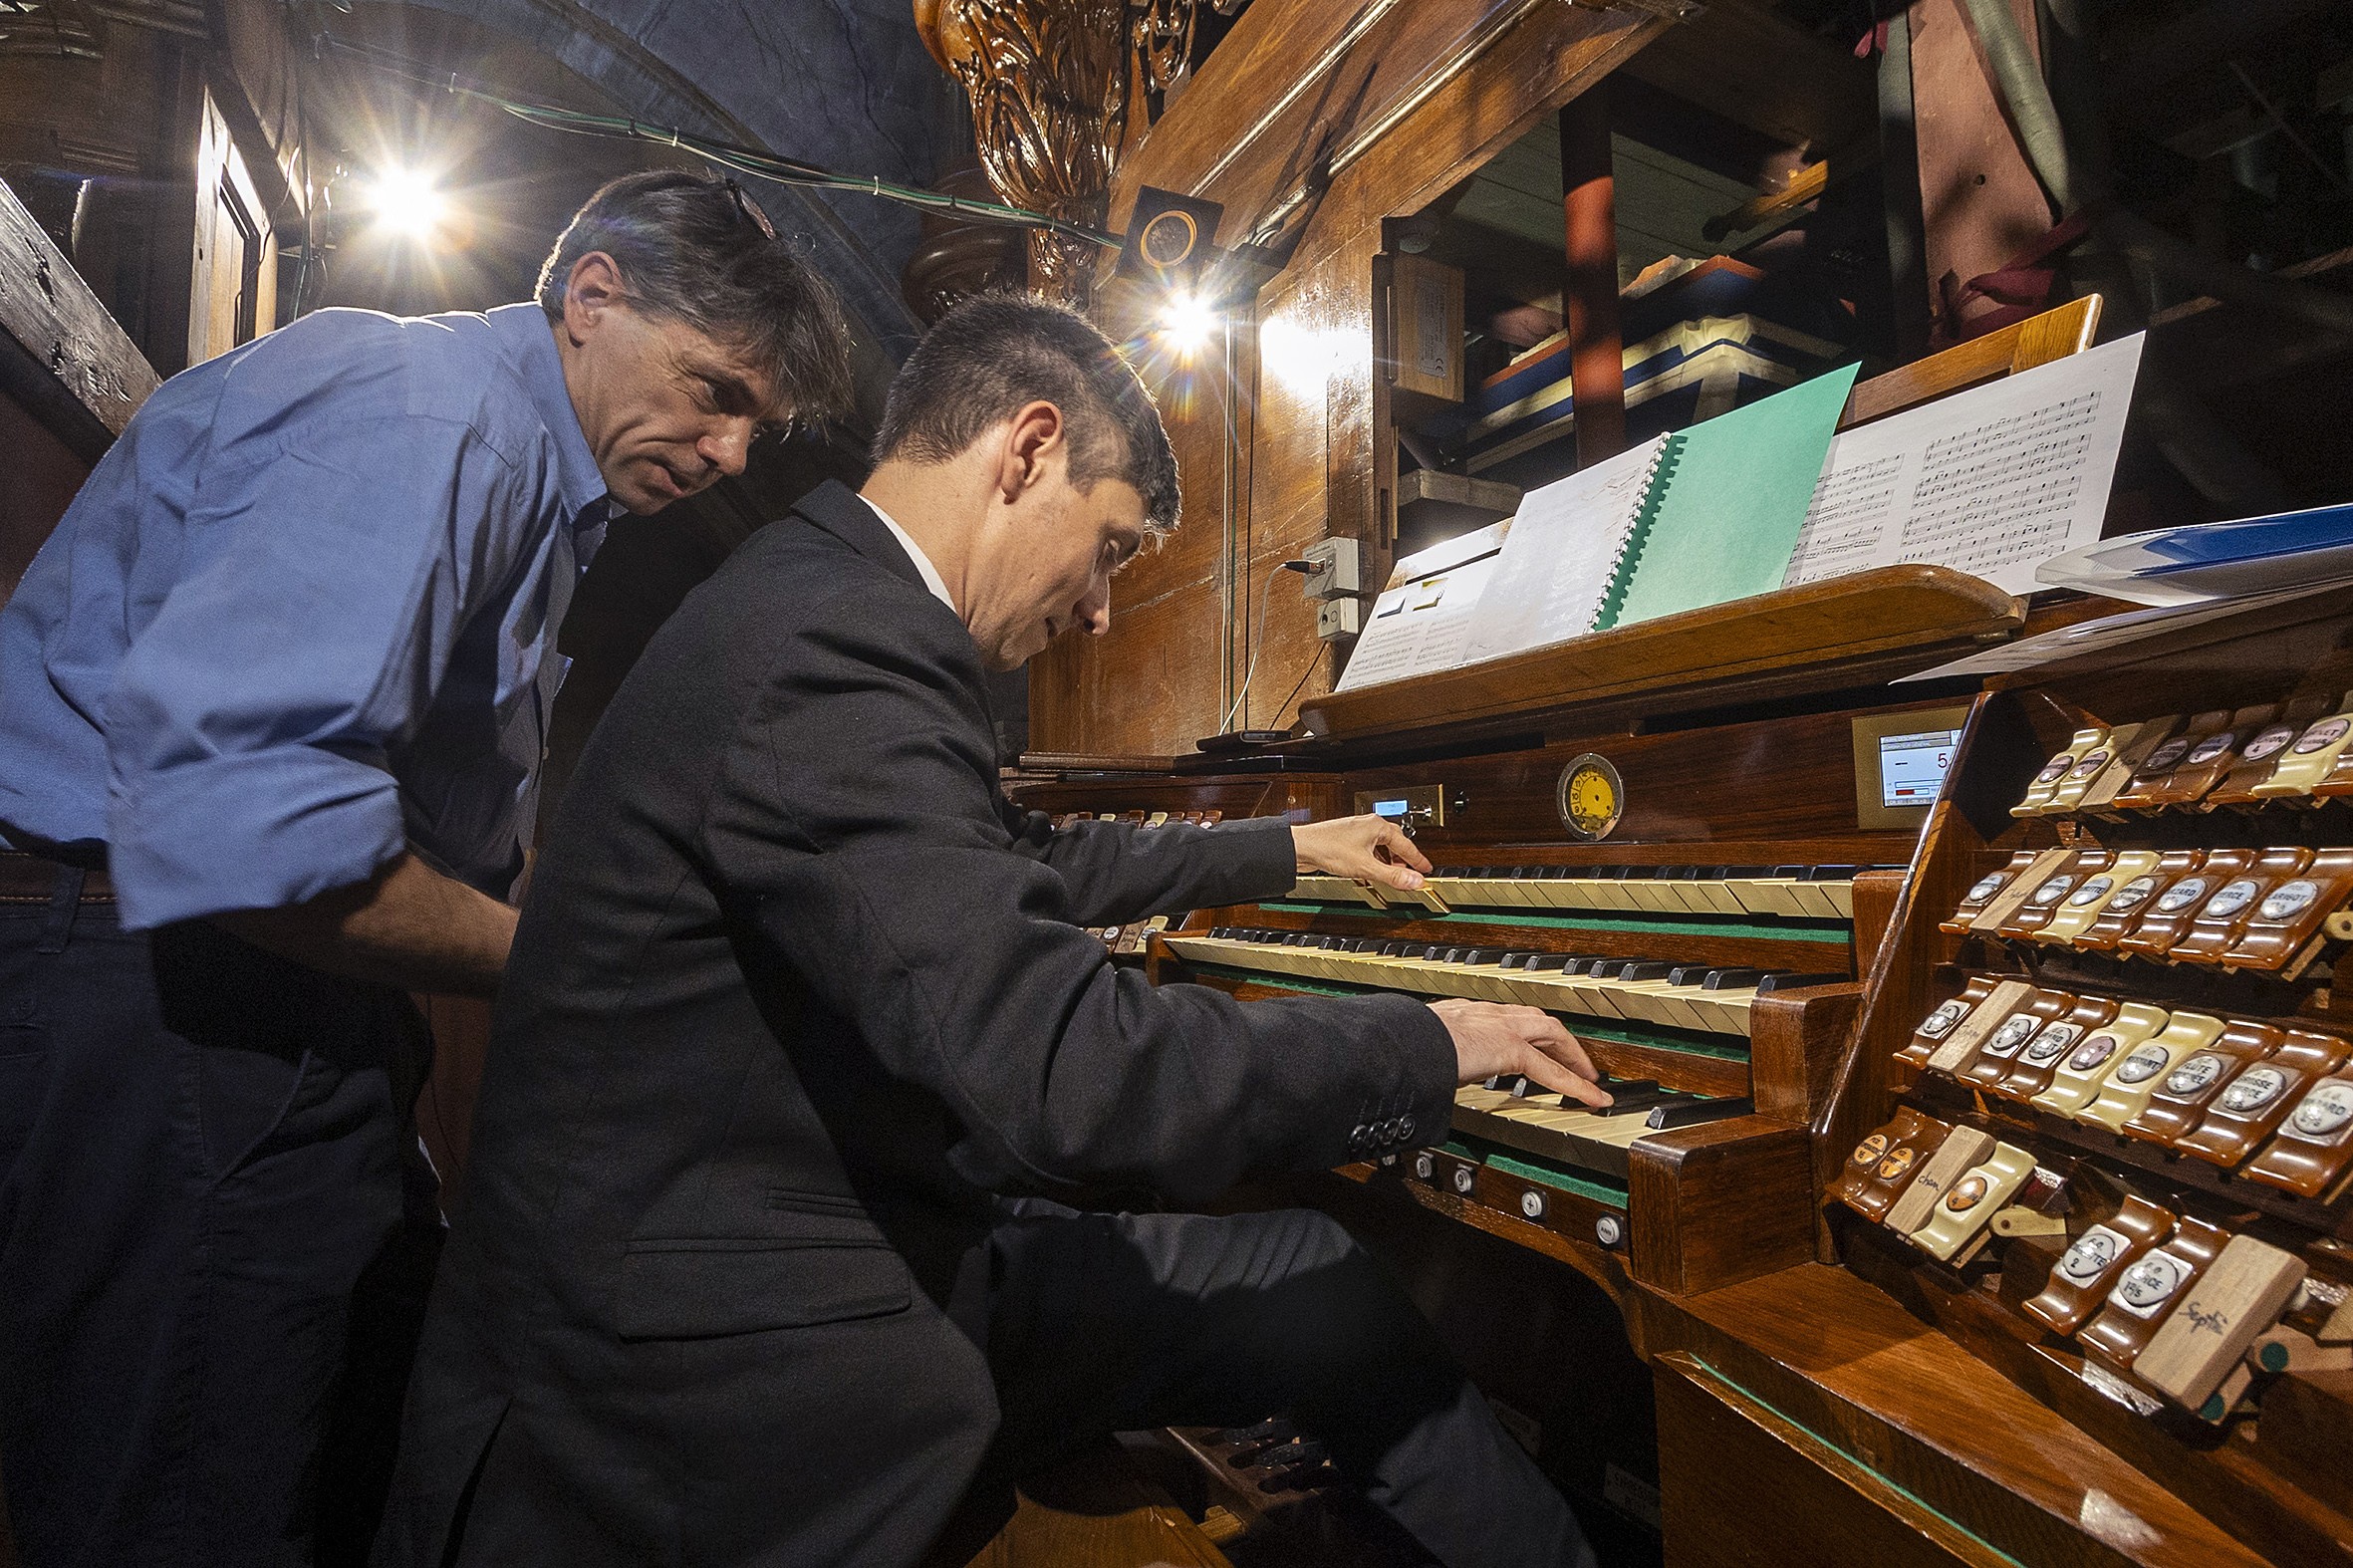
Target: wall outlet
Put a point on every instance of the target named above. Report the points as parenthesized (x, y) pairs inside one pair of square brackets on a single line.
[(1338, 618), (1339, 569)]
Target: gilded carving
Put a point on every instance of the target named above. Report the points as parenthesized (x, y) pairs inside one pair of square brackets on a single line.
[(1053, 84)]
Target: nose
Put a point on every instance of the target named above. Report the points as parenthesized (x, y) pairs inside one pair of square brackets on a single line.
[(1094, 611), (728, 447)]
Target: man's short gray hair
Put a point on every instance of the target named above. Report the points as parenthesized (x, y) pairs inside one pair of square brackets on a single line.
[(691, 249)]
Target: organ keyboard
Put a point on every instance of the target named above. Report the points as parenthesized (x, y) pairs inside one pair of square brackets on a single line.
[(1708, 951)]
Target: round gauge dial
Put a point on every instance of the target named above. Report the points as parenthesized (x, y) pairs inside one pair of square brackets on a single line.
[(1591, 797)]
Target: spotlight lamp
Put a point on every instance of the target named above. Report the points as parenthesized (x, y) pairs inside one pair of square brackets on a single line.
[(406, 203), (1186, 320)]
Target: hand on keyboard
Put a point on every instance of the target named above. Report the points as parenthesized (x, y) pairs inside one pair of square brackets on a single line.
[(1362, 849), (1492, 1039)]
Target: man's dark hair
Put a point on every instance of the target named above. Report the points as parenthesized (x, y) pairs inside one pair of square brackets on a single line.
[(986, 358), (699, 251)]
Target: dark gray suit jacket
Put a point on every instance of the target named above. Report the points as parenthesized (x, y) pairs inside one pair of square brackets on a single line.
[(793, 993)]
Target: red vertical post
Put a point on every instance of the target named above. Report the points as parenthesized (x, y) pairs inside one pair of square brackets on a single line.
[(1589, 293)]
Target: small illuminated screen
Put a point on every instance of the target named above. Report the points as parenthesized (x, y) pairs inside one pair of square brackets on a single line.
[(1389, 808), (1911, 767)]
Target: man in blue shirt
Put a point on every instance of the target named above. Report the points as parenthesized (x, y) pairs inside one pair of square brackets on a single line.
[(272, 701)]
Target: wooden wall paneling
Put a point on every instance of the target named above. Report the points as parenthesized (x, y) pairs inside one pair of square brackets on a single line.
[(130, 118), (1133, 691), (1164, 605), (43, 476)]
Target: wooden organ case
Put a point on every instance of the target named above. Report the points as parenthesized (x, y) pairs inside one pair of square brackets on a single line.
[(1878, 1224)]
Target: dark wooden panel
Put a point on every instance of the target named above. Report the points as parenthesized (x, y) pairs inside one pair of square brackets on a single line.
[(1137, 688), (1742, 60), (1837, 1359), (1740, 787), (1244, 795), (44, 475), (1742, 1486)]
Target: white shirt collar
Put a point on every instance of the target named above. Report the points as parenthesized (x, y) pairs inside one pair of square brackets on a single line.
[(914, 552)]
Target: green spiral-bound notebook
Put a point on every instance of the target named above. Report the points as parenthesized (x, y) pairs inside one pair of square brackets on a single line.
[(1691, 518), (1724, 504)]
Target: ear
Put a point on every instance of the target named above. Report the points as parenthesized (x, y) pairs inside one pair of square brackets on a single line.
[(1032, 437), (592, 288)]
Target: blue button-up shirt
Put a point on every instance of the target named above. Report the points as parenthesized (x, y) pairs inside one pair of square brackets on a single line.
[(303, 615)]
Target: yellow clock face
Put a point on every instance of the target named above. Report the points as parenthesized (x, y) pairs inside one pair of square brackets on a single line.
[(1592, 797)]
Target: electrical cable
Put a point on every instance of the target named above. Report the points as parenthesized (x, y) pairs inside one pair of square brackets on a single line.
[(1301, 682), (1258, 638), (727, 155)]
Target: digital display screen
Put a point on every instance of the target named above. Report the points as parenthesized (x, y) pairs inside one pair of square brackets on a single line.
[(1389, 808), (1911, 767)]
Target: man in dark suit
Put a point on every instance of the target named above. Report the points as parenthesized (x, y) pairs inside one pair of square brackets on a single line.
[(797, 998)]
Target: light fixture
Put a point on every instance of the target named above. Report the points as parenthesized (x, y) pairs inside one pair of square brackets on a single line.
[(1186, 320), (406, 204)]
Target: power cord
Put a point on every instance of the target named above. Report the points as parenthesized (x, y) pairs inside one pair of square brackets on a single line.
[(1258, 638)]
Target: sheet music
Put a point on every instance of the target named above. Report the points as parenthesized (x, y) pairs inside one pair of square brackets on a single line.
[(1559, 559), (1992, 481), (1420, 626)]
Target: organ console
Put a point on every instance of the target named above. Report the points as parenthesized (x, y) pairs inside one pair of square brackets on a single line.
[(2016, 1138), (1710, 964)]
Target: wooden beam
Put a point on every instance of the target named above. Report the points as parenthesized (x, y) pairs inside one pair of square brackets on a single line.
[(61, 354)]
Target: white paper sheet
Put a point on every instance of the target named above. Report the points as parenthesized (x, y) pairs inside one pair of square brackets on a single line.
[(1420, 626), (1559, 558), (1992, 481)]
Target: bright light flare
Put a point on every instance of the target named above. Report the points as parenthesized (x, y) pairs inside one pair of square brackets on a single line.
[(1186, 322), (406, 204)]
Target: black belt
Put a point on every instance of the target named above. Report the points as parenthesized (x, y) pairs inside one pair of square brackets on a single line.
[(28, 879)]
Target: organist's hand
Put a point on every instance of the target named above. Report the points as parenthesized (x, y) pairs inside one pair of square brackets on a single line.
[(1491, 1039), (1362, 849)]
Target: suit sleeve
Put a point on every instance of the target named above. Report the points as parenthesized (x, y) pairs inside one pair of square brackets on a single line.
[(1118, 872), (855, 833)]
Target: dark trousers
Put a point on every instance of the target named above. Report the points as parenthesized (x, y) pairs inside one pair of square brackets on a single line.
[(1103, 1323), (215, 1237)]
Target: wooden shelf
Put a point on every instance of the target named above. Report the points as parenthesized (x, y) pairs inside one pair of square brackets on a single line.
[(1864, 629)]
